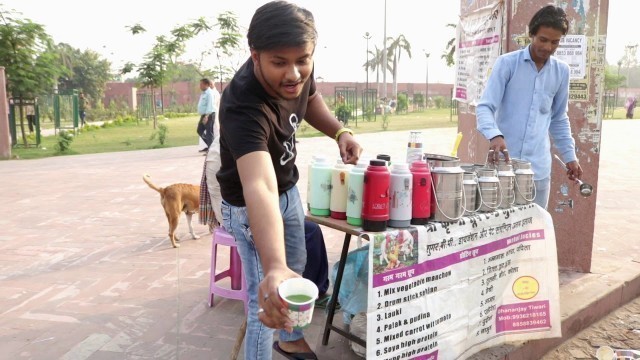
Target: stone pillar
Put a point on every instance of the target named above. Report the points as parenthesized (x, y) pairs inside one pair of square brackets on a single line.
[(5, 137), (573, 215)]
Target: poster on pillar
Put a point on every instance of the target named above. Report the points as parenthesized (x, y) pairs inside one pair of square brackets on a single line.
[(478, 46), (447, 291), (573, 50)]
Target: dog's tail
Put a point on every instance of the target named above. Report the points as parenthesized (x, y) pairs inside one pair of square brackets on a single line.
[(147, 179)]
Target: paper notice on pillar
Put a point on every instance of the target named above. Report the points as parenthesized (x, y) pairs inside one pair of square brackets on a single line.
[(447, 291), (478, 47), (573, 50)]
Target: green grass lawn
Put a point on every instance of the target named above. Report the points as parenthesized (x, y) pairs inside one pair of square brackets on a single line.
[(428, 119), (182, 132), (124, 137)]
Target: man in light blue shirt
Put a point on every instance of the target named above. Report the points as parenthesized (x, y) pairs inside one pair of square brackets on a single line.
[(525, 100), (207, 111)]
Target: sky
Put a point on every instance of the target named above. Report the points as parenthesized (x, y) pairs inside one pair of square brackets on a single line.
[(341, 24)]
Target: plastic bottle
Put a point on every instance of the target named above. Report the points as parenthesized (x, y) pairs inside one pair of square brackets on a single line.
[(400, 193), (414, 147), (339, 187), (354, 193), (320, 187), (421, 195), (375, 199)]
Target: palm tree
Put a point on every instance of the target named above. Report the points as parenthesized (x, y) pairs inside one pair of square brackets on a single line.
[(394, 51), (450, 49), (374, 63)]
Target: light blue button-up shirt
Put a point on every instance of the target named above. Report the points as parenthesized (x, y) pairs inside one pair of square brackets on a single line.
[(205, 104), (526, 106)]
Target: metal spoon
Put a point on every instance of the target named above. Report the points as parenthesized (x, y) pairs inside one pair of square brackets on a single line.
[(585, 189)]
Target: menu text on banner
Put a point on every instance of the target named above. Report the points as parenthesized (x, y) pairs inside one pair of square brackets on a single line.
[(446, 291)]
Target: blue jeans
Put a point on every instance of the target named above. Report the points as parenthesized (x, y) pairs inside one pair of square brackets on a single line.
[(259, 338), (542, 192)]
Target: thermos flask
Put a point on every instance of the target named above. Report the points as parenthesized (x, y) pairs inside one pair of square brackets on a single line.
[(400, 193), (375, 199), (339, 187), (385, 157), (320, 187), (309, 166), (421, 194), (354, 194)]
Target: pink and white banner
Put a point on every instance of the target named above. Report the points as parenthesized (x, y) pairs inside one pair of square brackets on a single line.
[(477, 48), (446, 291)]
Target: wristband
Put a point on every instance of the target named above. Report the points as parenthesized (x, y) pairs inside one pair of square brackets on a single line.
[(342, 131)]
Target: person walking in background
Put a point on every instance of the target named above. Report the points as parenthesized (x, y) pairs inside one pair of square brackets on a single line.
[(215, 128), (261, 109), (526, 99), (83, 104), (630, 105), (206, 111)]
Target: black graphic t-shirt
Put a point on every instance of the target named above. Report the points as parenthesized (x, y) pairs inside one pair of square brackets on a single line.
[(251, 120)]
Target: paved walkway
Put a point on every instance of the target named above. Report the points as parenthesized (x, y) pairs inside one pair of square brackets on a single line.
[(618, 330), (87, 272)]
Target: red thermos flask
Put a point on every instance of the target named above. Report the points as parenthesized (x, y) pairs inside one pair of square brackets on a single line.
[(375, 196), (421, 195)]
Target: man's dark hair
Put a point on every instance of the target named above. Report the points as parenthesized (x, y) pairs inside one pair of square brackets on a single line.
[(280, 24), (551, 16), (206, 81)]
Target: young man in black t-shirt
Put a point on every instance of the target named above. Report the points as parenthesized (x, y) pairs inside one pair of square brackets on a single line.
[(260, 111)]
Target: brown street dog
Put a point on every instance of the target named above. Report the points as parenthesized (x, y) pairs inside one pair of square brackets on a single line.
[(177, 198)]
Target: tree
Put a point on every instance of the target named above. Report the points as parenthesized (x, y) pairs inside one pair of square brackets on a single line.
[(153, 71), (629, 61), (450, 49), (84, 70), (374, 64), (227, 44), (181, 71), (612, 81), (229, 39), (394, 52), (28, 54)]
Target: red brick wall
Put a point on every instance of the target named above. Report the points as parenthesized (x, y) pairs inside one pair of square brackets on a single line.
[(187, 93), (444, 90), (120, 92), (178, 94)]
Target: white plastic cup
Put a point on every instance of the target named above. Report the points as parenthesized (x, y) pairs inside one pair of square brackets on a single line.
[(299, 295)]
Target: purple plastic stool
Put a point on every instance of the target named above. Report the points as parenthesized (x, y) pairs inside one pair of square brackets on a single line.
[(238, 288)]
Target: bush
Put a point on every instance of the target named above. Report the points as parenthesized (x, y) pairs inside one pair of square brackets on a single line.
[(440, 102), (172, 115), (64, 140), (115, 109), (161, 134), (403, 103), (343, 113)]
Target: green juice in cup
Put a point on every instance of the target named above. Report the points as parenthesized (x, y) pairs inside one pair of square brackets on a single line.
[(298, 298), (299, 295)]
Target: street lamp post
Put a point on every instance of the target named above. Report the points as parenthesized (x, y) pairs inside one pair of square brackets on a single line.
[(366, 64), (631, 58), (426, 82), (618, 83), (384, 54)]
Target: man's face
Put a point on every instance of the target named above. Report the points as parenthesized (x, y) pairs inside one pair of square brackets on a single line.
[(544, 43), (203, 86), (283, 72)]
